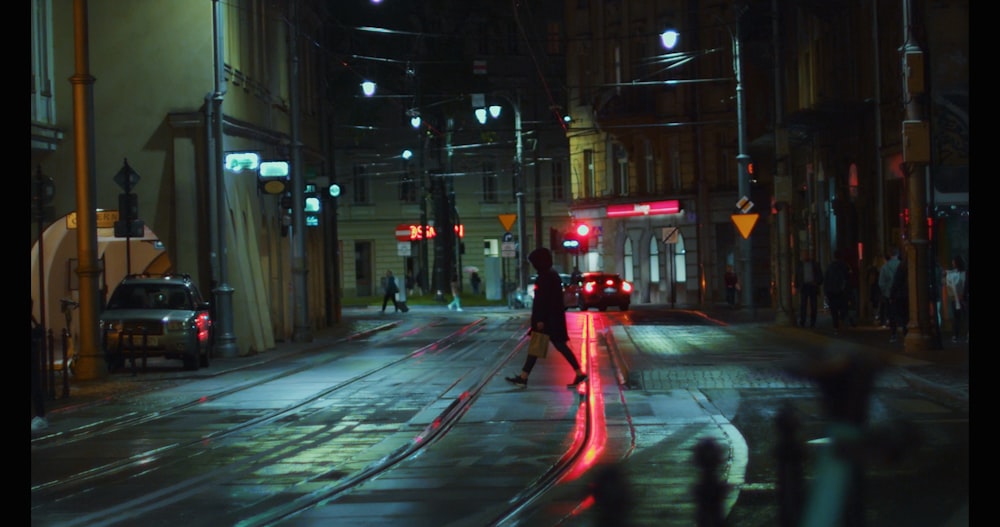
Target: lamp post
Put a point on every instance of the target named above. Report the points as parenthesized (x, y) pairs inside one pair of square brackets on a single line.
[(522, 231), (742, 160)]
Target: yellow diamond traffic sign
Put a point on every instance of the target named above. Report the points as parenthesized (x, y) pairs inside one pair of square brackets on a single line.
[(745, 223), (507, 220)]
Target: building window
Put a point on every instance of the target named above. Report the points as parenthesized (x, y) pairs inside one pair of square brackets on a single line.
[(489, 177), (360, 192), (43, 109), (619, 169), (629, 262), (589, 174), (726, 162), (648, 183), (553, 45), (408, 185), (654, 260), (558, 181)]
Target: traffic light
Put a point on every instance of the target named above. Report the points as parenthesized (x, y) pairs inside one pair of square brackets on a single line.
[(582, 232), (577, 239)]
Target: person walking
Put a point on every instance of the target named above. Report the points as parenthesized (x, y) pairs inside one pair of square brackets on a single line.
[(954, 280), (548, 315), (885, 277), (808, 278), (899, 298), (835, 287), (732, 281), (456, 301), (390, 289), (475, 281)]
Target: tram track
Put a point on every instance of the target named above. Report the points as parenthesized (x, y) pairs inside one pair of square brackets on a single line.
[(376, 452)]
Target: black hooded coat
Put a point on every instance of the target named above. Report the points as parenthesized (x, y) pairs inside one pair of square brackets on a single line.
[(548, 305)]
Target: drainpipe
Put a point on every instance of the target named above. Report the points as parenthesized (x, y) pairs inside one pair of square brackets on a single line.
[(225, 339)]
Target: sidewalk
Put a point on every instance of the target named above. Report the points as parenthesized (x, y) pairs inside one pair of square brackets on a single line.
[(942, 368)]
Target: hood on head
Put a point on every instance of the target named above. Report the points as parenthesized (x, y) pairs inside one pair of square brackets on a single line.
[(541, 259)]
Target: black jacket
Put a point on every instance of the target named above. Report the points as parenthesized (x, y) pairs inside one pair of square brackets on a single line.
[(548, 307)]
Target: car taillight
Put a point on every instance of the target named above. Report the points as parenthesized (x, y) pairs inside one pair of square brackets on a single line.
[(589, 287), (626, 287)]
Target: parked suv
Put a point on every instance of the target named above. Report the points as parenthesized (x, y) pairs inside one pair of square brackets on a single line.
[(161, 316)]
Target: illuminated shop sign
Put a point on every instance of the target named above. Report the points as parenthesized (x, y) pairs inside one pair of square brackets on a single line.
[(670, 206), (416, 232)]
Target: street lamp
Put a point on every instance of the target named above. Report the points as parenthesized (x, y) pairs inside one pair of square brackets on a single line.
[(742, 158), (522, 234)]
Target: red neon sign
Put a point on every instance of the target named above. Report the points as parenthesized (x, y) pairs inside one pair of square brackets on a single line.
[(416, 232), (670, 206)]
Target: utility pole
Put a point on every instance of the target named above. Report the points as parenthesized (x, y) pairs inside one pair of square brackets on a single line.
[(225, 339), (783, 269), (90, 365), (916, 156), (303, 329), (742, 161)]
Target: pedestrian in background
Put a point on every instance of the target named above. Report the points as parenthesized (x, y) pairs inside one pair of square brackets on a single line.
[(548, 315), (885, 275), (456, 302), (389, 291), (409, 282), (732, 281), (808, 278), (475, 281), (836, 283), (38, 420), (954, 280), (899, 298)]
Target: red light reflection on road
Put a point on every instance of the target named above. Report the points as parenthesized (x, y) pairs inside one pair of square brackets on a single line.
[(591, 440)]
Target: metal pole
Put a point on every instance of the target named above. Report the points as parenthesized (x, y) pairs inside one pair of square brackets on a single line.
[(90, 363), (742, 160), (522, 234), (225, 339), (302, 331)]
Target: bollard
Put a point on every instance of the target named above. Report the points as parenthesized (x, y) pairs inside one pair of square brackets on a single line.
[(845, 381), (710, 489), (789, 455), (612, 497)]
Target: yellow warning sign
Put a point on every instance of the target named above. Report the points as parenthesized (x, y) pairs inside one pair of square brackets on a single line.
[(745, 223), (507, 220)]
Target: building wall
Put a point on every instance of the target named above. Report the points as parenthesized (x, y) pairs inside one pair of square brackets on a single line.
[(153, 70)]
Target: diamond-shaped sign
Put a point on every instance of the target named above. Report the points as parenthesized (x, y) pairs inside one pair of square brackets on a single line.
[(126, 177)]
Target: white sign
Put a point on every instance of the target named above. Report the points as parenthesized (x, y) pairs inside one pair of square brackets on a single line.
[(402, 248), (508, 249)]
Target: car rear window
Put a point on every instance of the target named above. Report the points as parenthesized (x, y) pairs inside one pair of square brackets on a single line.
[(150, 296)]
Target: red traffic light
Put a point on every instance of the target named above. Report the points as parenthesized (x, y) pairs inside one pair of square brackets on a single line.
[(582, 230)]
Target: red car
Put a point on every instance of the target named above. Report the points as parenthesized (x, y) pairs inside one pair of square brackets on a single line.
[(599, 290)]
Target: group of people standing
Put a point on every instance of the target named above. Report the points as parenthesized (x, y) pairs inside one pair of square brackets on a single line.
[(888, 293)]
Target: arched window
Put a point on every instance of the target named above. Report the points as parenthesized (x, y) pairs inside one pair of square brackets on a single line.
[(680, 257), (654, 260), (627, 274)]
